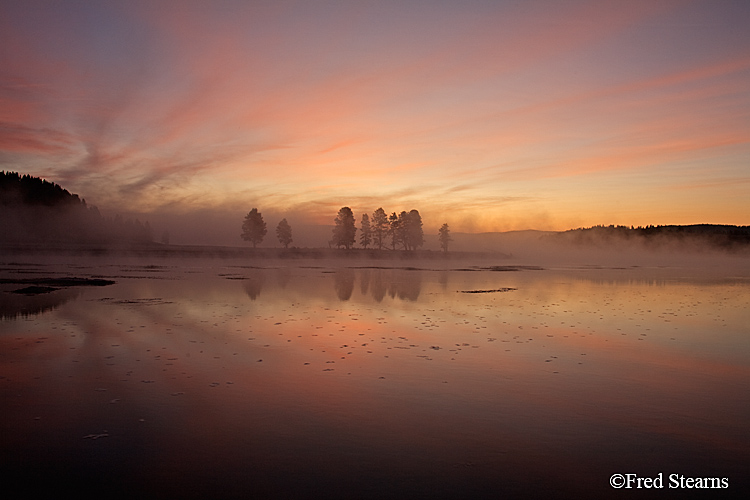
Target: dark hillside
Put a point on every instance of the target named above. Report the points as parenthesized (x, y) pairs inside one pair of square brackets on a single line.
[(36, 211), (693, 236), (17, 190)]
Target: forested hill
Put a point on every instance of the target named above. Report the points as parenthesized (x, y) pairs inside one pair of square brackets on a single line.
[(27, 190), (710, 235), (33, 210)]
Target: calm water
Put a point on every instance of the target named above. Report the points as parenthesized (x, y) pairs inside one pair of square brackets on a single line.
[(214, 379)]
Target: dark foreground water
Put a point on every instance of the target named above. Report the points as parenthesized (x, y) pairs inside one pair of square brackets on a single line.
[(215, 379)]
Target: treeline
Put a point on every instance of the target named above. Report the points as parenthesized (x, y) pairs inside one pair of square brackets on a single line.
[(33, 210), (397, 231), (715, 235)]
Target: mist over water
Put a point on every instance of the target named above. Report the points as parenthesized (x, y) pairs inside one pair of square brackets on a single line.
[(149, 350), (231, 378)]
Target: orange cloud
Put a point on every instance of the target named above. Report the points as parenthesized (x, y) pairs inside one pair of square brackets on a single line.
[(314, 107)]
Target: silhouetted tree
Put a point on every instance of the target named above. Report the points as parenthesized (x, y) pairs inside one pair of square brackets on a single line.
[(408, 233), (344, 233), (366, 235), (253, 229), (444, 235), (413, 233), (394, 230), (379, 227), (403, 219), (405, 230), (284, 233)]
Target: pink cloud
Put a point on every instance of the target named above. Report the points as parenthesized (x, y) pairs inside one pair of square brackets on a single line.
[(292, 105)]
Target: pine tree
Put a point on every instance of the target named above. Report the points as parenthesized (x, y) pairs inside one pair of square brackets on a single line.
[(379, 227), (444, 235), (284, 233), (394, 230), (253, 229), (413, 233), (344, 233), (366, 235)]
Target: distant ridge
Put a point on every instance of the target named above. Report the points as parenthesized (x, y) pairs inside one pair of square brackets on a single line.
[(712, 235)]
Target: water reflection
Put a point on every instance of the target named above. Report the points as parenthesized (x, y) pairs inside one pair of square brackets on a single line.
[(374, 283), (377, 283), (379, 286), (407, 286), (253, 283), (283, 381), (14, 305), (343, 282)]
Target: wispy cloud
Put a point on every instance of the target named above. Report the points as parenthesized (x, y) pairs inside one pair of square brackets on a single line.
[(470, 113)]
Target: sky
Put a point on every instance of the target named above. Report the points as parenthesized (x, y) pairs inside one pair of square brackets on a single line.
[(487, 115)]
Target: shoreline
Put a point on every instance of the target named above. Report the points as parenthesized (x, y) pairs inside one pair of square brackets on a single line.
[(211, 251)]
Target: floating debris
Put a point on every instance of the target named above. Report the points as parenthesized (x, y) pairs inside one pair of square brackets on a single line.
[(34, 290), (507, 289), (512, 268), (97, 436), (58, 282), (155, 301)]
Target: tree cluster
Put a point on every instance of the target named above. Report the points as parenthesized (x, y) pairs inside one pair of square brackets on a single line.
[(403, 230), (397, 231), (254, 229)]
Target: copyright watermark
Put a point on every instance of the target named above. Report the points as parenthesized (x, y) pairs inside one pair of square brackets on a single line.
[(673, 481)]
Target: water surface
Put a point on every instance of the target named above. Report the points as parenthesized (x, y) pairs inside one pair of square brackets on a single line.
[(217, 379)]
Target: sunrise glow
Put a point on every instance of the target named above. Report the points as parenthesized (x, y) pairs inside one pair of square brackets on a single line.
[(490, 116)]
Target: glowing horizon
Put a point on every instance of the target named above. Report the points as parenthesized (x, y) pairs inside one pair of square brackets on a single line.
[(489, 116)]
